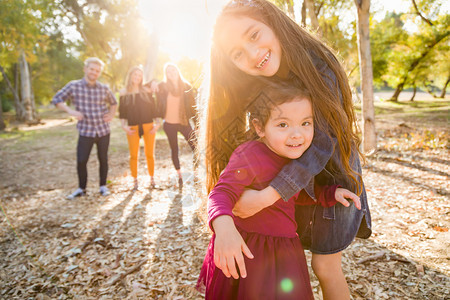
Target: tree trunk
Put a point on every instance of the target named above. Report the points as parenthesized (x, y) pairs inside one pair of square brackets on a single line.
[(2, 122), (25, 88), (17, 80), (20, 109), (442, 95), (290, 9), (430, 89), (313, 17), (414, 94), (33, 100), (304, 14), (397, 92), (152, 55), (17, 102), (365, 61)]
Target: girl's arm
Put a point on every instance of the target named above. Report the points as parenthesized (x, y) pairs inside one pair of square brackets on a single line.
[(229, 246), (253, 201), (295, 176), (156, 125), (123, 113), (125, 127), (328, 196)]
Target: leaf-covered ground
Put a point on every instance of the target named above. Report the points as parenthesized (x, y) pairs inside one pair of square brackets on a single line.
[(149, 244)]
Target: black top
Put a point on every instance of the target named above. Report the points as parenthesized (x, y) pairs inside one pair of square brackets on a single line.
[(137, 109)]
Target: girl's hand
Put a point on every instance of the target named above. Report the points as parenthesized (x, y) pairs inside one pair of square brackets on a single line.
[(341, 195), (253, 201), (128, 130), (154, 87), (228, 248), (154, 129)]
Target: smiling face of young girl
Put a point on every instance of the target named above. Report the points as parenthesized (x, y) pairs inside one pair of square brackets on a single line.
[(289, 130), (172, 74), (251, 45)]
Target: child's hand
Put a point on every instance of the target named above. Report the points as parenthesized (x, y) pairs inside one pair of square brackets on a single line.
[(228, 248), (341, 195)]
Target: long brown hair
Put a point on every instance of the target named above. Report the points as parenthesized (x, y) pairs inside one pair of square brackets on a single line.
[(175, 88), (128, 83), (229, 87), (146, 96)]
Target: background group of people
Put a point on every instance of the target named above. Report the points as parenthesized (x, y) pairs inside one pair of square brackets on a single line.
[(140, 113)]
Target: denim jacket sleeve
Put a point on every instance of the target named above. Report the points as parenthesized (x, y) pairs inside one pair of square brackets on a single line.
[(299, 174)]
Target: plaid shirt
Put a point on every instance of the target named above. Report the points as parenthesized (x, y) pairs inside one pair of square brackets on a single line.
[(92, 102)]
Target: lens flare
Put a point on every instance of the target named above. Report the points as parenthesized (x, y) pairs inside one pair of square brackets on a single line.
[(286, 285)]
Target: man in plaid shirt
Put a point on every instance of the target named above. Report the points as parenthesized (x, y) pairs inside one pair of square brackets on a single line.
[(95, 106)]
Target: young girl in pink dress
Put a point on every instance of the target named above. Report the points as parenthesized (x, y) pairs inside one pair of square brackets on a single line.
[(281, 119)]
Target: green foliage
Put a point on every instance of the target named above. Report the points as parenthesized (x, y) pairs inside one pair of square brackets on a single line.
[(412, 57), (54, 68), (388, 37), (19, 29), (6, 104), (47, 31), (57, 35)]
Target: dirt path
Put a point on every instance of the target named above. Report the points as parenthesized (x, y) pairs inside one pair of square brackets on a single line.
[(149, 244)]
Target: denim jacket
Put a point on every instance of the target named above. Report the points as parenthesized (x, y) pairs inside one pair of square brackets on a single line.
[(300, 173)]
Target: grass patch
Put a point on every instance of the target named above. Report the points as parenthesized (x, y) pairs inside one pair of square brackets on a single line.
[(436, 110)]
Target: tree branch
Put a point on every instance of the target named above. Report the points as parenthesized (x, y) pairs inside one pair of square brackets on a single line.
[(420, 15)]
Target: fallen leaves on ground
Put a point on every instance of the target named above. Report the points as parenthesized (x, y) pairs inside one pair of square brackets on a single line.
[(149, 244)]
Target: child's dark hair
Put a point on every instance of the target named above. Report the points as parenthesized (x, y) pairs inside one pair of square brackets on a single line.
[(267, 99)]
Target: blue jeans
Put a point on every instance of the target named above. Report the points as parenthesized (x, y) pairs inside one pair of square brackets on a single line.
[(84, 148)]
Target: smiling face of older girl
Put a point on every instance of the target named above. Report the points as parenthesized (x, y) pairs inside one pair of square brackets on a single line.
[(251, 45)]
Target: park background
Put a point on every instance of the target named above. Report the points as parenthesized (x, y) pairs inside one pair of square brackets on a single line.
[(150, 244)]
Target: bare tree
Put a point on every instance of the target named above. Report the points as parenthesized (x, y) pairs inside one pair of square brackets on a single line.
[(303, 21), (313, 16), (28, 115), (365, 62)]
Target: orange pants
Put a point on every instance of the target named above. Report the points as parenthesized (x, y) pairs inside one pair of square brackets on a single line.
[(149, 148)]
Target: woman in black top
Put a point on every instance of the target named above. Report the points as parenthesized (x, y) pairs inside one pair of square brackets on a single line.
[(176, 105), (137, 111)]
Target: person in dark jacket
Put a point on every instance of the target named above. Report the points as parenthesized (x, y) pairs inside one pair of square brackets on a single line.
[(176, 105)]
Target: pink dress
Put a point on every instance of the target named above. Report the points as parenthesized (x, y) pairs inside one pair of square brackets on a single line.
[(278, 269)]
